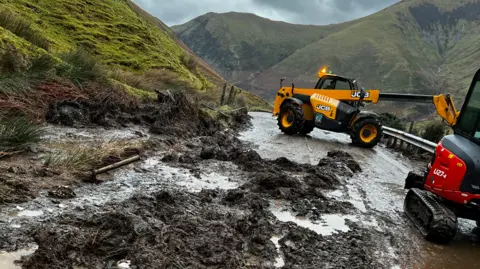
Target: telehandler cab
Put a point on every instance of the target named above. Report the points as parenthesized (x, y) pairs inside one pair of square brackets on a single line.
[(333, 105)]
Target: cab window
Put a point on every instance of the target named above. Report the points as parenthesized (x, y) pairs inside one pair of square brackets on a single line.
[(333, 83), (342, 85), (328, 83), (469, 122)]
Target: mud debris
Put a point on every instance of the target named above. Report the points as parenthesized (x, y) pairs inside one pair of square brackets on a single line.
[(164, 230), (177, 116), (14, 190), (303, 248), (209, 229)]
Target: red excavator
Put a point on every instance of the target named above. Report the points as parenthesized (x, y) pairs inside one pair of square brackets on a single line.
[(449, 188)]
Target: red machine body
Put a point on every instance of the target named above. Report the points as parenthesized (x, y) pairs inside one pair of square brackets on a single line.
[(450, 186), (446, 176)]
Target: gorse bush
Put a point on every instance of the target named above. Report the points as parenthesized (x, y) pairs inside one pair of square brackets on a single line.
[(22, 28), (434, 131), (189, 62), (17, 133), (390, 120)]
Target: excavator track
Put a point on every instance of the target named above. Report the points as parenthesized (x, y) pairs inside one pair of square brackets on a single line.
[(436, 222)]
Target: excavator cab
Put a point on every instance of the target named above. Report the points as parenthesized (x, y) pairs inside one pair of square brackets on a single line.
[(449, 188)]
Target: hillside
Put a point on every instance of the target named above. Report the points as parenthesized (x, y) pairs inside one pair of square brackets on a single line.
[(415, 46), (134, 51)]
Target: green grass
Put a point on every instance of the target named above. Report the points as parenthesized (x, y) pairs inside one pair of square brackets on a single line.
[(23, 28), (17, 133), (110, 29), (80, 67)]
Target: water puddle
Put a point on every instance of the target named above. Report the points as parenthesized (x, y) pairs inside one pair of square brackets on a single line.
[(26, 213), (279, 261), (180, 177), (328, 225), (352, 195), (7, 259)]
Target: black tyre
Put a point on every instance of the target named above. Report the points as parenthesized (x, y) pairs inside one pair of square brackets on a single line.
[(290, 119), (307, 127), (366, 132)]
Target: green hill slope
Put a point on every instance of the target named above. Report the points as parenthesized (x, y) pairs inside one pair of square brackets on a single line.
[(239, 45), (137, 50), (415, 46)]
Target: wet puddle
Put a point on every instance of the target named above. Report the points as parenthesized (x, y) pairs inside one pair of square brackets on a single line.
[(7, 259), (328, 225), (26, 213), (279, 261)]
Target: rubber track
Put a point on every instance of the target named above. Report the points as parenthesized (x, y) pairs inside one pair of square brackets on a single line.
[(443, 222)]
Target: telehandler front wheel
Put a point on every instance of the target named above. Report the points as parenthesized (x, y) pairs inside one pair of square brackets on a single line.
[(307, 127), (290, 119), (366, 133)]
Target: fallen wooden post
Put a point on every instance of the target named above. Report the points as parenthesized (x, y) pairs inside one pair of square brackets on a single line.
[(93, 175)]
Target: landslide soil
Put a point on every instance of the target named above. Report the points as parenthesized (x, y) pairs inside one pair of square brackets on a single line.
[(212, 228), (172, 117)]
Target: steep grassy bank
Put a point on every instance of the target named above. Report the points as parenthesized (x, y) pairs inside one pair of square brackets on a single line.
[(102, 52)]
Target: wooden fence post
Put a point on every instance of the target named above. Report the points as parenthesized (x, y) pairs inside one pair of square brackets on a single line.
[(222, 100)]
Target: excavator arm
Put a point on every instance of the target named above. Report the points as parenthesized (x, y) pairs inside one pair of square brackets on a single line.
[(443, 104)]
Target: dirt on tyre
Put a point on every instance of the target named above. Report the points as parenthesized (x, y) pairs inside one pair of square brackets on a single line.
[(366, 133), (307, 127), (290, 119)]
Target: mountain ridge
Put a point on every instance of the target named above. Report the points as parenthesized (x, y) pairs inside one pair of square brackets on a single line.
[(413, 46)]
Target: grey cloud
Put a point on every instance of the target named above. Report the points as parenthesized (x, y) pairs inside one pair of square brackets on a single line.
[(325, 11), (174, 12)]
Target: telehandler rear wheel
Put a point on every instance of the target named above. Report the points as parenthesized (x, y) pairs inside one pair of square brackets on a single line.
[(290, 119), (366, 132)]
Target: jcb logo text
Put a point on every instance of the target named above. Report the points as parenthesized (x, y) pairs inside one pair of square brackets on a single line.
[(324, 108), (357, 94)]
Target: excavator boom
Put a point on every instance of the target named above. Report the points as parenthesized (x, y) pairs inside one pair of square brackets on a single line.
[(443, 104)]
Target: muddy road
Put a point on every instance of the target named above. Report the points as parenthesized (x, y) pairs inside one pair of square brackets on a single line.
[(377, 191), (264, 200)]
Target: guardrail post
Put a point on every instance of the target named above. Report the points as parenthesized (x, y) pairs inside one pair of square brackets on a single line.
[(411, 127)]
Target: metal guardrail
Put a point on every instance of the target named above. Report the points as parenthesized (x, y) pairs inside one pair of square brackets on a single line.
[(410, 139)]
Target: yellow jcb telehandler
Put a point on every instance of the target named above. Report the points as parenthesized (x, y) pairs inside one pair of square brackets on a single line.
[(334, 105)]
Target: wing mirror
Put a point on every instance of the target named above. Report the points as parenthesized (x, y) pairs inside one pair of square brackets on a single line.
[(281, 82)]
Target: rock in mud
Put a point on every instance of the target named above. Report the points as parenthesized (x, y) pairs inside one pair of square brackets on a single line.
[(62, 192)]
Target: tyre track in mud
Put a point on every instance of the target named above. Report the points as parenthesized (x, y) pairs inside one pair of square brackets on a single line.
[(377, 192)]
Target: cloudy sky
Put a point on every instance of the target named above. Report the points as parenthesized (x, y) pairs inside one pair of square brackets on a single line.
[(173, 12)]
